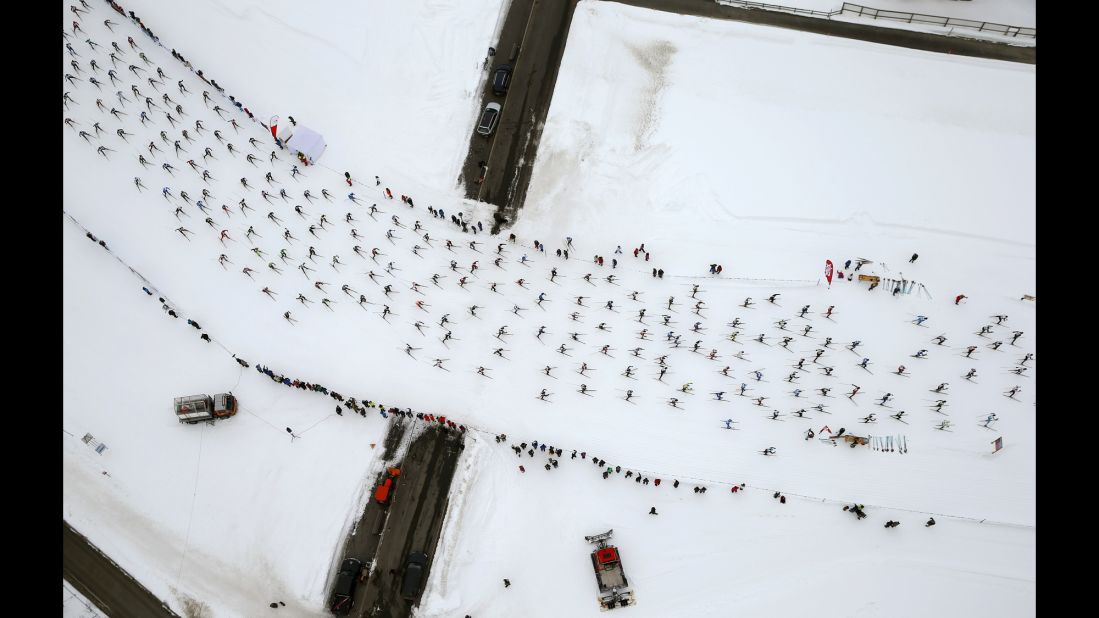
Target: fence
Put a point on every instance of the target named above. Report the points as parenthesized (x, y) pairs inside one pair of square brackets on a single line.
[(946, 22), (776, 7), (902, 16)]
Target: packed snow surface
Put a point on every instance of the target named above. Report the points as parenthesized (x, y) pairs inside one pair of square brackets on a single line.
[(795, 149)]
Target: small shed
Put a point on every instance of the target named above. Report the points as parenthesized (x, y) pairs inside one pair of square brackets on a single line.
[(305, 141)]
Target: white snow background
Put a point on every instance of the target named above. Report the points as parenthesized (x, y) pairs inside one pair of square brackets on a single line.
[(797, 149)]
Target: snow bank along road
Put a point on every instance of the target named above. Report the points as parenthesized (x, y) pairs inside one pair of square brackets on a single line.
[(508, 45), (412, 521), (102, 582)]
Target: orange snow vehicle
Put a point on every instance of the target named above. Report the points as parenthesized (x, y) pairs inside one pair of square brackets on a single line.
[(385, 488)]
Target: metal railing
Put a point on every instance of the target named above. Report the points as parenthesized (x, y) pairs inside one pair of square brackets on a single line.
[(776, 7), (934, 20), (900, 16)]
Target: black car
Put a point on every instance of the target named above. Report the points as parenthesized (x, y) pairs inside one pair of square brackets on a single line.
[(501, 80), (343, 595), (413, 575)]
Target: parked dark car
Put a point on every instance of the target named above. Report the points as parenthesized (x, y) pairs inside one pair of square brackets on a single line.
[(343, 594), (413, 575), (489, 117), (501, 80)]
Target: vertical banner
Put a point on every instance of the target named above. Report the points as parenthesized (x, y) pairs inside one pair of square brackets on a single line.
[(274, 126), (997, 444), (828, 271)]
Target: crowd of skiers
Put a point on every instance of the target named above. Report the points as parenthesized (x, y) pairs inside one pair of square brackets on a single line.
[(553, 452), (359, 406), (640, 254)]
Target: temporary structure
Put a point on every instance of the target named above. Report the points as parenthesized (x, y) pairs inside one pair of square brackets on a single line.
[(304, 140)]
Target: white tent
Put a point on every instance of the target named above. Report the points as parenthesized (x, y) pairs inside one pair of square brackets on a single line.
[(304, 140)]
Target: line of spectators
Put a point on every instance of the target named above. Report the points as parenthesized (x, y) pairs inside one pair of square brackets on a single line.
[(355, 405)]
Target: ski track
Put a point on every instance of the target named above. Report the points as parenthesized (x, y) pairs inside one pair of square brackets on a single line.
[(271, 509)]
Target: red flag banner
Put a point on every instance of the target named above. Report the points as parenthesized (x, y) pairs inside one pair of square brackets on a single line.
[(997, 444), (274, 126), (828, 271)]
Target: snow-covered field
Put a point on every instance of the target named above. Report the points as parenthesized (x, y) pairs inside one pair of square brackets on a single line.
[(391, 85), (794, 160), (830, 137), (238, 499), (810, 149)]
